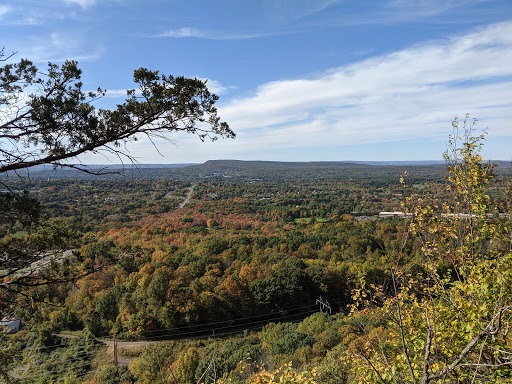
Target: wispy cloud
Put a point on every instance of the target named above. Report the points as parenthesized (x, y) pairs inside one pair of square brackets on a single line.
[(22, 13), (396, 12), (3, 10), (57, 47), (407, 94), (431, 11), (285, 11), (213, 85), (116, 93), (431, 7), (273, 18), (320, 6), (216, 86), (202, 34), (82, 3), (10, 15)]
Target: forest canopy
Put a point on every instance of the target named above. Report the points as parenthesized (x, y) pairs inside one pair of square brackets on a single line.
[(263, 274), (47, 118)]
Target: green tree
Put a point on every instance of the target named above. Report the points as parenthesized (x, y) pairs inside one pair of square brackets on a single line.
[(288, 286), (186, 366), (451, 323), (115, 375), (9, 357), (48, 118)]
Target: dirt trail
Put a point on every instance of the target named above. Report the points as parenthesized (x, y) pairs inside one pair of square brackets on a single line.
[(126, 344)]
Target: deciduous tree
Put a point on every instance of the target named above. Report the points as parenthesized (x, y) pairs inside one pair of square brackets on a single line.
[(47, 117), (451, 323)]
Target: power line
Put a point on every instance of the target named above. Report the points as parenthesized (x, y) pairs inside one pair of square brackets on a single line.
[(264, 322), (62, 345), (189, 330), (225, 321), (57, 371), (225, 331), (206, 325), (324, 305)]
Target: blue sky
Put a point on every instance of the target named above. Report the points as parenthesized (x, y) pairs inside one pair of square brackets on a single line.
[(298, 80)]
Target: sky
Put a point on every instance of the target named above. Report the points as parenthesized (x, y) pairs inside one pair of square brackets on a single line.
[(298, 80)]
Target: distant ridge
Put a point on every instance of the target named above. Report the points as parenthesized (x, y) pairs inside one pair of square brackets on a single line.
[(112, 166), (403, 162), (252, 170), (278, 164), (258, 163), (310, 164)]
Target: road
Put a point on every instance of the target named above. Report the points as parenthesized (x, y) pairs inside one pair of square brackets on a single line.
[(45, 260), (126, 344), (41, 262), (221, 329), (187, 199)]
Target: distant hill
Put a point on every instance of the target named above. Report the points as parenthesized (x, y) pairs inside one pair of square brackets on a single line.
[(46, 168), (110, 171), (297, 170), (404, 162), (254, 170)]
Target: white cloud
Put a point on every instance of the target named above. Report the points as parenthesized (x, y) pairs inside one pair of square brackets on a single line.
[(58, 47), (184, 32), (82, 3), (277, 18), (407, 94), (4, 10), (410, 94), (213, 85), (284, 11), (392, 12), (216, 86), (21, 14), (201, 34), (116, 93), (425, 7)]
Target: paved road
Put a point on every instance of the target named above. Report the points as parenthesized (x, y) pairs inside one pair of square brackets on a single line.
[(41, 262), (187, 199), (45, 260)]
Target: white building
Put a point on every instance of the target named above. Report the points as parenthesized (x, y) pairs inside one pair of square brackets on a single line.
[(10, 324)]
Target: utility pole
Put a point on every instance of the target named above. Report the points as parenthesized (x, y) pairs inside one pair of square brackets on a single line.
[(211, 367), (115, 347), (324, 305)]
